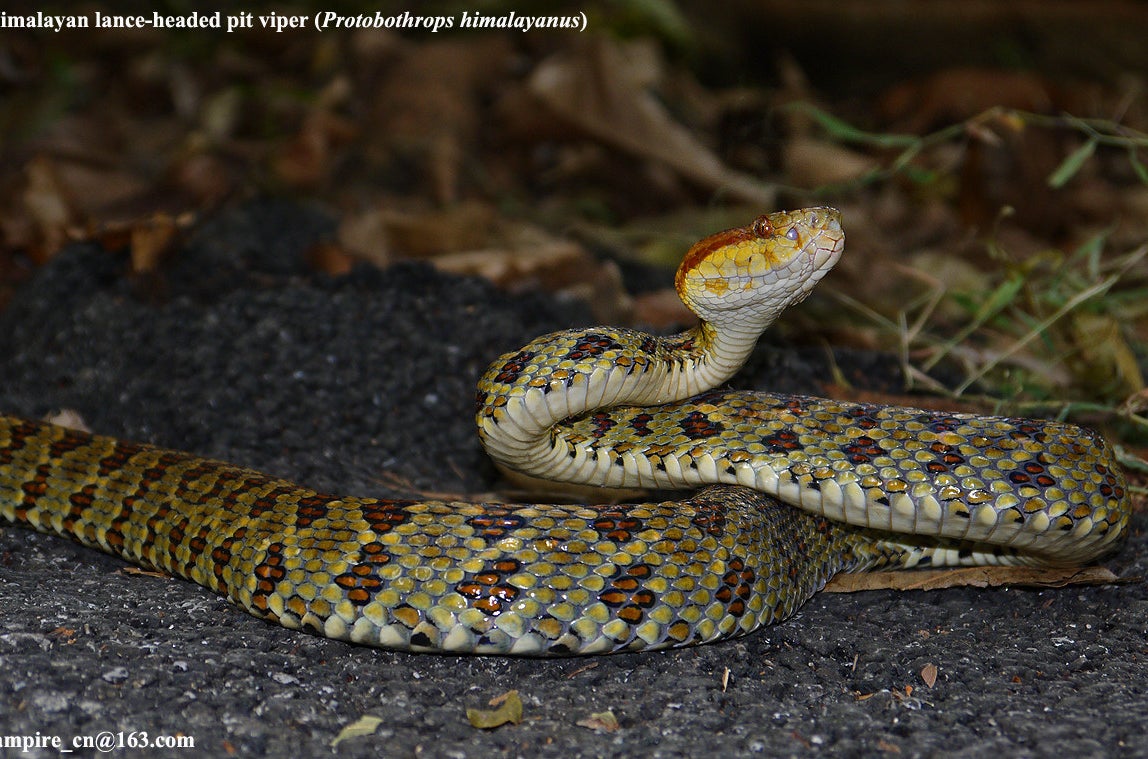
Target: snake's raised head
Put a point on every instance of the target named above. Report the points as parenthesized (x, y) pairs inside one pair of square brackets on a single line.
[(743, 278)]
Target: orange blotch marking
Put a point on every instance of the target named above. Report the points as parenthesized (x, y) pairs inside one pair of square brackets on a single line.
[(408, 616), (706, 247), (630, 614)]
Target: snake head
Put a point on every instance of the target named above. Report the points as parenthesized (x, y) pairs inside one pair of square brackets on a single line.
[(743, 278)]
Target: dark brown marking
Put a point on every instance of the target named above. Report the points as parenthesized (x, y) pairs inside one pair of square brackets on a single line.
[(710, 519), (864, 417), (697, 425), (384, 516), (487, 588), (68, 442), (514, 367), (862, 450), (640, 424), (600, 424), (495, 523), (591, 346), (782, 441), (617, 525)]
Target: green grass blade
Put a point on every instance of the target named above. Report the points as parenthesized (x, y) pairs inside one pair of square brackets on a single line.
[(845, 132), (1002, 296), (1071, 165), (1140, 169)]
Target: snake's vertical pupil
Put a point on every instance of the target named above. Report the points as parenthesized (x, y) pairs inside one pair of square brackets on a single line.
[(762, 227)]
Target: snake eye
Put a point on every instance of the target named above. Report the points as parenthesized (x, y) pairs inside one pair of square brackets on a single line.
[(792, 234)]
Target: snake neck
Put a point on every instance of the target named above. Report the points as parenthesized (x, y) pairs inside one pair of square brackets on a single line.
[(526, 395)]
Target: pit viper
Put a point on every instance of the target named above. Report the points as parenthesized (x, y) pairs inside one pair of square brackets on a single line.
[(798, 489)]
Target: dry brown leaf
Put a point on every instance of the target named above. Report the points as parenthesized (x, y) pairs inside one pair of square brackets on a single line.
[(557, 267), (545, 267), (580, 670), (887, 747), (364, 236), (525, 259), (65, 635), (929, 674), (148, 238), (603, 721), (140, 572), (508, 709), (365, 725), (600, 87), (959, 93), (307, 158), (49, 203), (151, 239), (427, 107), (202, 176), (465, 226), (810, 162), (977, 577), (69, 418), (330, 258)]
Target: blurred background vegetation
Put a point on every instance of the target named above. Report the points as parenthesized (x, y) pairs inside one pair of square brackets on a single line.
[(989, 158)]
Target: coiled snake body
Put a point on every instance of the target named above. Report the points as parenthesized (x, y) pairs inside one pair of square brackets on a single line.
[(875, 486)]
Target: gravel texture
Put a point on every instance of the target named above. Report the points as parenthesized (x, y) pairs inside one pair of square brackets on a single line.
[(364, 385)]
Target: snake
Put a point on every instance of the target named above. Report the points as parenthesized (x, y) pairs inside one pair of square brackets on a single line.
[(778, 492)]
